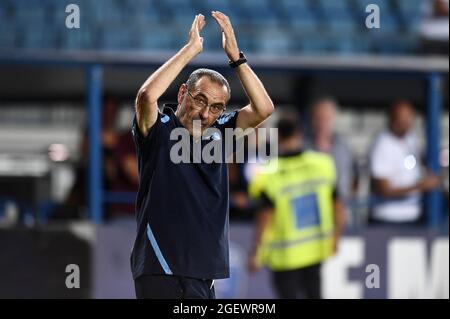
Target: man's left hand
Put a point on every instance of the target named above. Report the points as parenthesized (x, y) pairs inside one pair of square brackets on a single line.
[(229, 42)]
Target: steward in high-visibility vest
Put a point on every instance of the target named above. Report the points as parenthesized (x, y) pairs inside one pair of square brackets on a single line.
[(301, 230), (296, 227)]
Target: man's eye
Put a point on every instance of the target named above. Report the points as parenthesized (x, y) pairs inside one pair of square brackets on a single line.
[(202, 102)]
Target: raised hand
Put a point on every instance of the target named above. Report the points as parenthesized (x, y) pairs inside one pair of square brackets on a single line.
[(229, 42), (195, 40)]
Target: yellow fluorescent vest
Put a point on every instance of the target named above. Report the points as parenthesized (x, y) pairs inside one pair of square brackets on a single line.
[(300, 231)]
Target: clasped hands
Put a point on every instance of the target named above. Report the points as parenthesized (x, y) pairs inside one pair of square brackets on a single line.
[(229, 42)]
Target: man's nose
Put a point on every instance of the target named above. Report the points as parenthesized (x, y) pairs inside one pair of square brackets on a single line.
[(205, 113)]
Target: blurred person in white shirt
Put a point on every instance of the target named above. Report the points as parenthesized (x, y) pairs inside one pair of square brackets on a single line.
[(397, 180)]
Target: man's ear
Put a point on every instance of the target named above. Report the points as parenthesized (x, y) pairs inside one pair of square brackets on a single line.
[(182, 92)]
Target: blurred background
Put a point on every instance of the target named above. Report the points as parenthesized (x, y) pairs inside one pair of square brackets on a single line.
[(68, 173)]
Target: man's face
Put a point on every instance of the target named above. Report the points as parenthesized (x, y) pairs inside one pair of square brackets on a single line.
[(193, 103), (402, 118), (324, 115)]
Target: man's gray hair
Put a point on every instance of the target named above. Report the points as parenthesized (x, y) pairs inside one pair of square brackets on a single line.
[(214, 76)]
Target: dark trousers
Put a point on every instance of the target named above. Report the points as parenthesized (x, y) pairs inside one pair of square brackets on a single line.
[(303, 283), (173, 287)]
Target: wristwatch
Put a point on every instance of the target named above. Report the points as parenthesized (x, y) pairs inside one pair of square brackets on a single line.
[(242, 59)]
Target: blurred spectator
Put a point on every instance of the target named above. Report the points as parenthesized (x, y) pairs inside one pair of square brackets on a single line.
[(127, 177), (323, 138), (395, 170), (76, 202), (301, 217), (239, 174), (239, 200), (434, 29)]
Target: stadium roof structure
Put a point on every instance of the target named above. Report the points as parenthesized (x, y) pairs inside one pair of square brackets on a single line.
[(350, 63)]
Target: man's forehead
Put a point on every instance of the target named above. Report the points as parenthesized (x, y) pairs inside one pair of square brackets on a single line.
[(324, 107), (401, 110), (211, 89)]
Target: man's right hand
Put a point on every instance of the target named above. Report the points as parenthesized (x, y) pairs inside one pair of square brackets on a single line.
[(429, 182), (195, 40)]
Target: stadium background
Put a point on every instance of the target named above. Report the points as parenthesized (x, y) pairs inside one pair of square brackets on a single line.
[(53, 81)]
